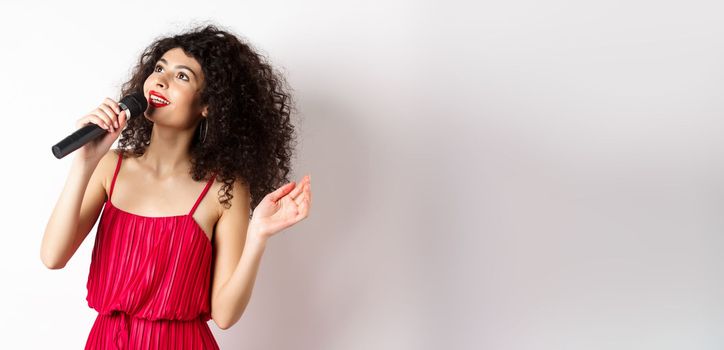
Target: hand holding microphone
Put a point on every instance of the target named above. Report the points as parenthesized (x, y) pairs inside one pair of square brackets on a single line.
[(101, 127), (112, 119)]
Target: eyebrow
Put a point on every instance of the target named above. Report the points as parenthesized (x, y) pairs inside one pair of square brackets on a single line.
[(180, 66)]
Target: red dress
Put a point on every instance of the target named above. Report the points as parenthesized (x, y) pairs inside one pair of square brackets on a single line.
[(150, 280)]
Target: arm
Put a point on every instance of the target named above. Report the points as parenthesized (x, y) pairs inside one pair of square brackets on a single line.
[(76, 211), (235, 275), (237, 261)]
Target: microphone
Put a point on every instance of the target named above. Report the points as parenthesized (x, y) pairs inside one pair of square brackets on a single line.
[(134, 104)]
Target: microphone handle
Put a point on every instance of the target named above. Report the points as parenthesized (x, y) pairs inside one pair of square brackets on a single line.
[(77, 139)]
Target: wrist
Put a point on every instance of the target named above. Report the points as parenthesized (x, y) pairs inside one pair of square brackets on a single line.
[(256, 236), (255, 242), (86, 160), (85, 164)]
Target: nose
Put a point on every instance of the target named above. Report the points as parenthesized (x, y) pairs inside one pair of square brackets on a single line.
[(160, 82)]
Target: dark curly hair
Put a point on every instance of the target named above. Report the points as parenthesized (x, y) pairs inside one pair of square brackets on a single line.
[(250, 136)]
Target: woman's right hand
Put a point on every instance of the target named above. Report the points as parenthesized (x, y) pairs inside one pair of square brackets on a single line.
[(109, 116)]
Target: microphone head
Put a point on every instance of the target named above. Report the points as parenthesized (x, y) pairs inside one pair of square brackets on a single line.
[(134, 104)]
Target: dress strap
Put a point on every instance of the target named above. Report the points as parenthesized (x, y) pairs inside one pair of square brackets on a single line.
[(203, 193), (115, 175)]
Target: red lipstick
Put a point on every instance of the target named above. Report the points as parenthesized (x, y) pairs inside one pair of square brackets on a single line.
[(157, 100)]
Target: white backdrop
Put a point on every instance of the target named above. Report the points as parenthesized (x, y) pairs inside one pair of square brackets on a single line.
[(486, 175)]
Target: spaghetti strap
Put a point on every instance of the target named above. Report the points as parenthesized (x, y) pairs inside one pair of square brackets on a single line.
[(113, 183), (206, 189)]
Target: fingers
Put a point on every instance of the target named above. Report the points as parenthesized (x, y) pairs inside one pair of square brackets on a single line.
[(104, 112), (304, 206), (297, 190), (121, 121), (108, 111), (309, 194), (302, 191), (94, 119), (304, 200), (280, 192), (108, 116), (116, 108)]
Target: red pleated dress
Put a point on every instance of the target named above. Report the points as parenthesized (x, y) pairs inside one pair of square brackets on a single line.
[(150, 280)]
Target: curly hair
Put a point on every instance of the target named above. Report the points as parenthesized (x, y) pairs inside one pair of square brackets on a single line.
[(249, 133)]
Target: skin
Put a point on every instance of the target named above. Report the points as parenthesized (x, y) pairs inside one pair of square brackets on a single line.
[(157, 184)]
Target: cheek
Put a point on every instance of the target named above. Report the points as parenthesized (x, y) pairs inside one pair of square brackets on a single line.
[(146, 86), (185, 97)]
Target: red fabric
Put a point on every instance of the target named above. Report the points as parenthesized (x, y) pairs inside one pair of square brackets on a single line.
[(150, 281)]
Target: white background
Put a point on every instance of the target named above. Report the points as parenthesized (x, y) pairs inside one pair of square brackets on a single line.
[(486, 175)]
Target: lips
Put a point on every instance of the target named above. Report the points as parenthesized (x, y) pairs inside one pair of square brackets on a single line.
[(157, 100)]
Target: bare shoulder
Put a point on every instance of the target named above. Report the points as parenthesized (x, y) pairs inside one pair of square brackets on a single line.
[(239, 190), (106, 167)]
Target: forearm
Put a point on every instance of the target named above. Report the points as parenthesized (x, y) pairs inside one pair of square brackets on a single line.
[(61, 230), (233, 297)]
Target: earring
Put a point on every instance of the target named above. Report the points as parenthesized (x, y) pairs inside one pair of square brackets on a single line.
[(205, 126)]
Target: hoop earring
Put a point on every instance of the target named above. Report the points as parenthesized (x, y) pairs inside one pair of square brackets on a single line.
[(205, 126)]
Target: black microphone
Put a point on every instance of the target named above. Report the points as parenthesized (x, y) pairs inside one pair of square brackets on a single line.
[(134, 104)]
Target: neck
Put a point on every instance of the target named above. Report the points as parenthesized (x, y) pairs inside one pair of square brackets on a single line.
[(168, 152)]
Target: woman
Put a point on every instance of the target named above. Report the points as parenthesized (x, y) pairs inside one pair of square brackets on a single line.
[(167, 258)]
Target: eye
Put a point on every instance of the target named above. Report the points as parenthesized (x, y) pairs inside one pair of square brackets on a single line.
[(183, 75)]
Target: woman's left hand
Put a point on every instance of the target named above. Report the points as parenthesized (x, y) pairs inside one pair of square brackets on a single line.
[(282, 208)]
